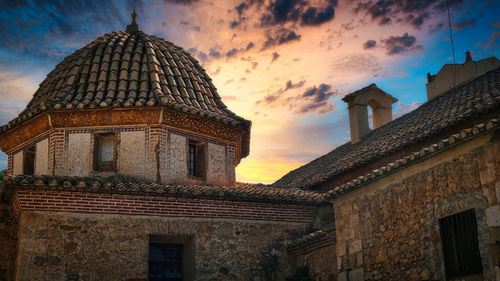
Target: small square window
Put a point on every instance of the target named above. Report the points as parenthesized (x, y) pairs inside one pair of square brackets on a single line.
[(460, 244), (105, 152), (196, 158)]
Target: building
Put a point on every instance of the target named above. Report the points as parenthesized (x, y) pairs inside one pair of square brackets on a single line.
[(418, 197), (122, 168)]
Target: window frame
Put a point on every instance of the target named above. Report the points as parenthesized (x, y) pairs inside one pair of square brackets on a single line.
[(107, 166), (460, 244), (29, 159), (188, 251), (199, 170)]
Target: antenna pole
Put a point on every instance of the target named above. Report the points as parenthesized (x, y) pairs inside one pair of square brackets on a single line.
[(451, 39)]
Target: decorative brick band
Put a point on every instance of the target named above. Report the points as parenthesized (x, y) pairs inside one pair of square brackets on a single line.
[(158, 206)]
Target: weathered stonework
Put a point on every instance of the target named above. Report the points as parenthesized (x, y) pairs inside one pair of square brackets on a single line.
[(321, 261), (216, 170), (177, 161), (8, 243), (55, 246), (42, 160), (79, 156), (17, 166), (132, 157), (388, 229)]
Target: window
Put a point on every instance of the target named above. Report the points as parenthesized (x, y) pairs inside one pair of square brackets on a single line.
[(196, 158), (171, 258), (460, 244), (29, 160), (165, 262), (105, 152)]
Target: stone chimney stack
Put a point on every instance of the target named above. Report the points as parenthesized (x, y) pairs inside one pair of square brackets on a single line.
[(358, 102), (455, 75)]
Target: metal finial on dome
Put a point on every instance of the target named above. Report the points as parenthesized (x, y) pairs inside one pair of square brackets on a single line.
[(133, 27)]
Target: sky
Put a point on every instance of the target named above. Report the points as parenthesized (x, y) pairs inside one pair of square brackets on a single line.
[(283, 64)]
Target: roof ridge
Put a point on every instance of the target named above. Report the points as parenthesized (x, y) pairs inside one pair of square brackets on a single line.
[(423, 153), (137, 186), (480, 97)]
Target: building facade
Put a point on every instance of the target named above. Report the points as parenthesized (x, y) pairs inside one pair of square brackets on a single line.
[(121, 167)]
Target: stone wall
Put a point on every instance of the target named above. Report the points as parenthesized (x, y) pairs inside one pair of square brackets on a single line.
[(8, 243), (78, 154), (216, 170), (132, 154), (154, 153), (388, 229), (321, 261), (17, 165), (42, 158), (177, 161), (58, 246)]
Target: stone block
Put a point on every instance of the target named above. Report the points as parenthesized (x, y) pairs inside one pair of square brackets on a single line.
[(341, 248), (342, 276), (497, 191), (357, 275), (354, 246), (493, 216)]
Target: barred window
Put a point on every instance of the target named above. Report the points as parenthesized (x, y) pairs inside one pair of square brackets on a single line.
[(460, 244), (165, 262), (196, 158)]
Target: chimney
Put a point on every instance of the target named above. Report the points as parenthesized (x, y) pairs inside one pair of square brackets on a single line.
[(358, 102), (455, 75)]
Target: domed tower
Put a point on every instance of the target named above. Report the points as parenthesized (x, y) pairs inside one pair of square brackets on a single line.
[(128, 103)]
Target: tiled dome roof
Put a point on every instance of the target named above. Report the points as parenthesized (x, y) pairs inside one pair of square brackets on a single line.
[(123, 69)]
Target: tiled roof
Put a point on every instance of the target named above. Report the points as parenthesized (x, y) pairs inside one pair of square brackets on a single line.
[(478, 97), (120, 69), (308, 240), (135, 186), (426, 152)]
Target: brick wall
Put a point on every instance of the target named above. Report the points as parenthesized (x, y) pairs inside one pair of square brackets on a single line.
[(160, 206), (57, 160)]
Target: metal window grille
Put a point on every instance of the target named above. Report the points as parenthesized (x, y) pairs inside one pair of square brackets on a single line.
[(192, 159), (165, 262), (460, 244)]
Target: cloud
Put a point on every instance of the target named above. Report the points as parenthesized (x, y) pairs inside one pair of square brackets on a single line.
[(279, 12), (276, 95), (435, 27), (313, 16), (369, 44), (395, 45), (463, 24), (413, 13), (315, 100), (275, 56), (492, 41), (250, 46), (214, 53), (231, 53), (280, 36), (181, 2), (403, 108)]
